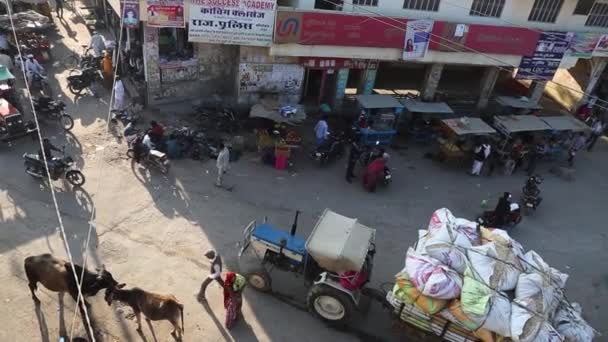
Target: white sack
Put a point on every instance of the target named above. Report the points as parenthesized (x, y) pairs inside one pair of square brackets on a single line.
[(568, 321), (431, 278), (528, 327), (534, 263), (485, 262)]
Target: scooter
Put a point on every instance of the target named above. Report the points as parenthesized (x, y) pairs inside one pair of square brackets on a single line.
[(388, 178), (531, 193), (58, 167), (488, 218), (55, 110)]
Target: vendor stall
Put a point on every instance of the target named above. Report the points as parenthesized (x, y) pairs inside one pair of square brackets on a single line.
[(277, 140), (507, 105), (422, 118), (378, 119), (458, 139), (559, 140), (565, 123)]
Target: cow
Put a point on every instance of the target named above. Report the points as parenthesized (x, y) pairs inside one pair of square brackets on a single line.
[(155, 307), (57, 275)]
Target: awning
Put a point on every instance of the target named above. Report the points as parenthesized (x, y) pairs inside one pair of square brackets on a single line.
[(466, 125), (520, 123), (269, 109), (517, 102), (378, 101), (565, 123), (416, 106)]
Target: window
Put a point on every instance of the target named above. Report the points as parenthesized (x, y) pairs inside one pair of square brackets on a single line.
[(598, 16), (365, 2), (487, 8), (545, 11), (332, 5), (583, 7), (173, 44), (422, 5)]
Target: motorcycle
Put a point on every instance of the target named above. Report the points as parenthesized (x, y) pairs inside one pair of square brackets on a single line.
[(388, 178), (488, 218), (126, 115), (331, 149), (41, 82), (531, 193), (154, 158), (58, 167), (370, 154), (77, 83), (48, 108)]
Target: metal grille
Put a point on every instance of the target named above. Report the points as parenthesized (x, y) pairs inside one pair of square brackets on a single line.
[(365, 2), (487, 8), (598, 16), (545, 11), (422, 5)]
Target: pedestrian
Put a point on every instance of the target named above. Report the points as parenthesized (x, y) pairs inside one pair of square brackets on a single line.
[(233, 297), (223, 159), (119, 95), (517, 154), (482, 152), (533, 155), (353, 156), (578, 144), (321, 130), (98, 43), (215, 274), (596, 131), (59, 8), (492, 161)]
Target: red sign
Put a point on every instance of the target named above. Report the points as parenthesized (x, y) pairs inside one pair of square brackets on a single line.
[(337, 63), (310, 28), (483, 38)]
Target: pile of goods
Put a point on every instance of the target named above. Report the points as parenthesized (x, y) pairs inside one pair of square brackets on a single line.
[(467, 283)]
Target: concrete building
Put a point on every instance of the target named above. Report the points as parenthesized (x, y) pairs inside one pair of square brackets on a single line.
[(325, 50)]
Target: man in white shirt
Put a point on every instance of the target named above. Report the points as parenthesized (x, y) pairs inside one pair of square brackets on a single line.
[(215, 274), (596, 131), (119, 95), (32, 67), (98, 43), (222, 163)]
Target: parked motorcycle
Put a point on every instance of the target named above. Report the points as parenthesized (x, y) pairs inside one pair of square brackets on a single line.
[(58, 167), (388, 177), (47, 108), (219, 119), (331, 149), (531, 193), (77, 83), (126, 115), (488, 218)]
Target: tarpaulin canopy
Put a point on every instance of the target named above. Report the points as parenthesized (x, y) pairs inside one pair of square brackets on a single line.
[(5, 74), (28, 20), (270, 109), (416, 106), (517, 102), (565, 123), (520, 123), (378, 101), (466, 125)]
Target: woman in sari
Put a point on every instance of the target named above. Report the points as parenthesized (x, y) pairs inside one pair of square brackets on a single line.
[(233, 297)]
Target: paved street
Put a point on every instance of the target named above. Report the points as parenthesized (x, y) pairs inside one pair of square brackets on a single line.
[(151, 230)]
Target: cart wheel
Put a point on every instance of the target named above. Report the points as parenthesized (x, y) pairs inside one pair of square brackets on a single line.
[(330, 305), (259, 280)]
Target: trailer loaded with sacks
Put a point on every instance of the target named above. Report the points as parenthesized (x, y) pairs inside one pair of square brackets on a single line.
[(464, 282)]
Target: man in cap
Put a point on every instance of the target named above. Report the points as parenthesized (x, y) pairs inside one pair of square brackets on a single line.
[(32, 67), (215, 274)]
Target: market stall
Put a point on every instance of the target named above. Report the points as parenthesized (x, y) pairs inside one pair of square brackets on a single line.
[(564, 129), (378, 119), (457, 138), (277, 139), (507, 105), (423, 118)]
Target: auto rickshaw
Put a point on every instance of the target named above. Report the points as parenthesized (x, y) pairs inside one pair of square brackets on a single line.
[(12, 124)]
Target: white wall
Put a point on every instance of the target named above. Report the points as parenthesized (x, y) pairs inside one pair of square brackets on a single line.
[(515, 13)]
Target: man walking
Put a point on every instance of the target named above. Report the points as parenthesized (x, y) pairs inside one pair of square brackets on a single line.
[(354, 154), (596, 131), (482, 152), (59, 8), (222, 163), (215, 274), (577, 145)]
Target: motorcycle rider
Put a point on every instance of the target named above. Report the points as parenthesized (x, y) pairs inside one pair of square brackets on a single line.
[(321, 131), (156, 133), (32, 67), (141, 147), (47, 152), (502, 210)]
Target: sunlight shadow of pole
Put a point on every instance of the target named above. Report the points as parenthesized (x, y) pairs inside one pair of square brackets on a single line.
[(218, 324)]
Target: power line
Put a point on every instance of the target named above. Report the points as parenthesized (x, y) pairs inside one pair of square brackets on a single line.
[(376, 15), (46, 166)]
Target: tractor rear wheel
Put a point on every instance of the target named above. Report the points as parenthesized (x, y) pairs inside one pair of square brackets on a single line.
[(259, 280), (331, 305)]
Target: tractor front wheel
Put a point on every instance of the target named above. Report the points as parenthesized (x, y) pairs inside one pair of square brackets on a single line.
[(259, 280), (330, 305)]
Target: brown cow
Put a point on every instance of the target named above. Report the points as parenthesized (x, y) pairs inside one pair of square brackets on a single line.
[(155, 306), (57, 275)]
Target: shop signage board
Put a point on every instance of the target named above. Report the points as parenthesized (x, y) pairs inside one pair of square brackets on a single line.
[(545, 60), (417, 35), (312, 28), (582, 44), (165, 13), (601, 49), (130, 13), (337, 63), (238, 22), (455, 37)]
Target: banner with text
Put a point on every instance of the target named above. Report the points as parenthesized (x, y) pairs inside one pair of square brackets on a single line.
[(165, 13), (582, 44), (545, 60), (417, 36), (239, 22)]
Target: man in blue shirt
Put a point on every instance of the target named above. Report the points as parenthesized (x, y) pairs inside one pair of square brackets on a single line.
[(321, 130)]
